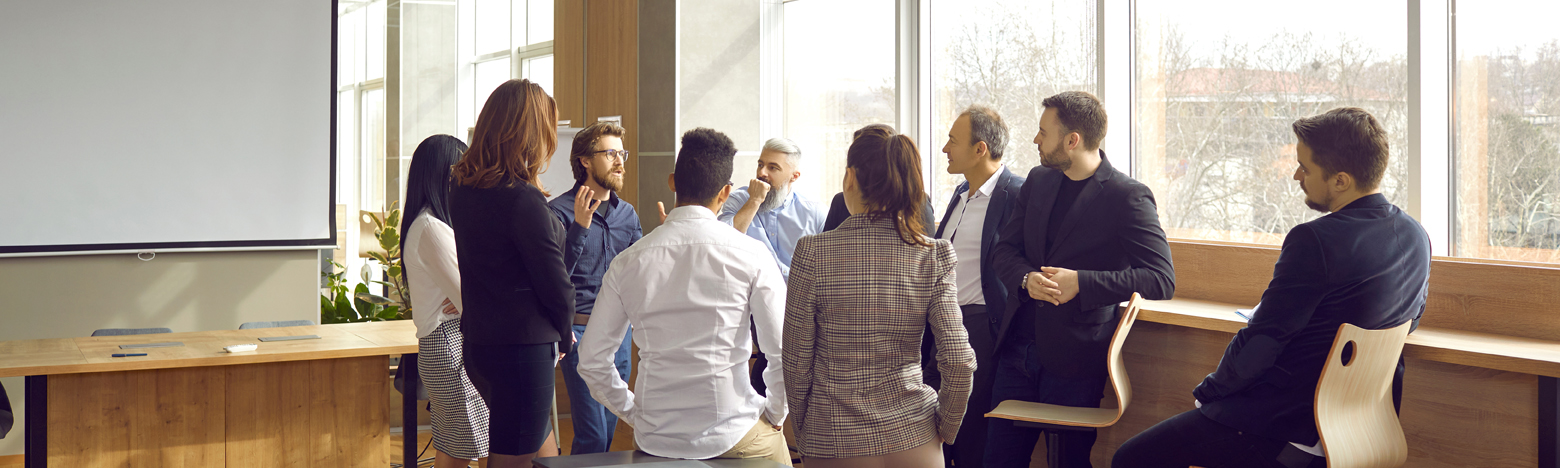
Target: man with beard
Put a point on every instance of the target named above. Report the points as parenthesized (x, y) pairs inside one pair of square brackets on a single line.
[(768, 210), (1083, 238), (1366, 263), (598, 225)]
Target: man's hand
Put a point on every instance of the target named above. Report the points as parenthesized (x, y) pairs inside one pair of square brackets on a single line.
[(449, 308), (585, 204), (757, 190), (1041, 288), (662, 208), (1066, 280)]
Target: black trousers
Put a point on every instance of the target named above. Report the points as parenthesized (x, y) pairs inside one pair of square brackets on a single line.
[(1191, 439), (969, 449)]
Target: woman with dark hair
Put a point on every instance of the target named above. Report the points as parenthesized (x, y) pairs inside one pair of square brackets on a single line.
[(457, 413), (518, 301), (859, 298)]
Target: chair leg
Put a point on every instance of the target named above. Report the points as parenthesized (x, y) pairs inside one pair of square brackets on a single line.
[(1053, 449)]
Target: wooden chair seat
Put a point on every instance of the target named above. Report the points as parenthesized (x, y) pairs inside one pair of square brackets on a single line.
[(1044, 413), (1056, 418)]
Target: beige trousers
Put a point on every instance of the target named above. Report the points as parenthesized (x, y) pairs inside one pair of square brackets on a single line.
[(762, 441), (928, 455)]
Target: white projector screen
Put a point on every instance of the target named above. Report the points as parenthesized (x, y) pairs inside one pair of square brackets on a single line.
[(166, 124)]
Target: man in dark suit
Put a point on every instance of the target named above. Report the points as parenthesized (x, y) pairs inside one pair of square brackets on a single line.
[(1083, 238), (1367, 263), (973, 218)]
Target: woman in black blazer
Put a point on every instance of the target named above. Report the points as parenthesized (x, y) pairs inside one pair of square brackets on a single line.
[(519, 303)]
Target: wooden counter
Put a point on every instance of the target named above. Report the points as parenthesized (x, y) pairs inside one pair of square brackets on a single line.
[(317, 402)]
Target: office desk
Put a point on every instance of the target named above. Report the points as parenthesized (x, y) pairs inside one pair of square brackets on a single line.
[(289, 403), (1433, 413)]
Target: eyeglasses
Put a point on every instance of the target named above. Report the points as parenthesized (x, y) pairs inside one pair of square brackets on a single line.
[(620, 155)]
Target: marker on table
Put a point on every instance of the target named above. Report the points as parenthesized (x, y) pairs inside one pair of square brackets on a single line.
[(128, 354)]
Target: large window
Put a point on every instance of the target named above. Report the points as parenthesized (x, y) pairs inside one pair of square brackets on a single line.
[(1009, 56), (839, 77), (1202, 95), (503, 40), (1507, 164), (1217, 94)]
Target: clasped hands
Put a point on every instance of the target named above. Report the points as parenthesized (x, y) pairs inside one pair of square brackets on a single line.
[(1053, 285)]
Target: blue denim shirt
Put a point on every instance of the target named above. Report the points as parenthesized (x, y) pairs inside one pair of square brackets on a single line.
[(588, 252)]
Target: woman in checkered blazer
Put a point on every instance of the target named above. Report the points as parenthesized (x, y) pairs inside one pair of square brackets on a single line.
[(859, 300)]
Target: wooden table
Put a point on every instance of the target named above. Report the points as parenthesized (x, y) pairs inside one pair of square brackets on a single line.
[(1483, 350), (317, 402)]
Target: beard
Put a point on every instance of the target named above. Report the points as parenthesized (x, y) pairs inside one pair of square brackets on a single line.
[(1322, 207), (1055, 159), (606, 179), (777, 195)]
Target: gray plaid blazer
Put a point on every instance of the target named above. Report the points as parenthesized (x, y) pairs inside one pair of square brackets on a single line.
[(859, 299)]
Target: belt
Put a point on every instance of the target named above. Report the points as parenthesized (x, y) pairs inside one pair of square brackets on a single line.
[(581, 319)]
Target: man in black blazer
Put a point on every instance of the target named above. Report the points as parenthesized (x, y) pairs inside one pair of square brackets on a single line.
[(1083, 238), (972, 221), (1367, 263)]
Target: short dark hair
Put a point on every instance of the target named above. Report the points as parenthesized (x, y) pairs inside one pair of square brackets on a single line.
[(1349, 140), (986, 126), (703, 165), (585, 144), (1080, 112)]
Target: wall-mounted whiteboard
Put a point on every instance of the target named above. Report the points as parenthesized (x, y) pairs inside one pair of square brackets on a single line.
[(166, 125)]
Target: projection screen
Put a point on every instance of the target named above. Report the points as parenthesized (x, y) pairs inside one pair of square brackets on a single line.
[(166, 125)]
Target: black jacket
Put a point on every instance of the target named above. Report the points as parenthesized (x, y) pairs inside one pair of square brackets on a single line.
[(1367, 264), (513, 284), (998, 214), (1111, 237)]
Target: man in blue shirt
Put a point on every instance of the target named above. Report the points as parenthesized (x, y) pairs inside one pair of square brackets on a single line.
[(768, 210), (598, 225)]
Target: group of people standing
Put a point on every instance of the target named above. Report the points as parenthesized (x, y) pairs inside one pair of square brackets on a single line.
[(878, 346)]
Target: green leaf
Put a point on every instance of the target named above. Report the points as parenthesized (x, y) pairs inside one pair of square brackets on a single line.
[(373, 299), (389, 239), (395, 271), (327, 310), (390, 313), (394, 219), (344, 312), (364, 308)]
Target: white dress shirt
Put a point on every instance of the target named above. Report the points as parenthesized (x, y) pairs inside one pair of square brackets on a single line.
[(780, 228), (965, 228), (688, 288), (432, 273)]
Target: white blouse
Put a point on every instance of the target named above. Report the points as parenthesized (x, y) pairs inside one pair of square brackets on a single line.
[(433, 274)]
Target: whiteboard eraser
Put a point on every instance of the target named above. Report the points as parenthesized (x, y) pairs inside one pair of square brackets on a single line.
[(239, 348)]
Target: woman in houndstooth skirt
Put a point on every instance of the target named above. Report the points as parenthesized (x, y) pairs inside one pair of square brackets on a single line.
[(458, 415)]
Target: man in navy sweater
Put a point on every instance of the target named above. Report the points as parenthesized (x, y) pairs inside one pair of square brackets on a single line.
[(1366, 263), (597, 225)]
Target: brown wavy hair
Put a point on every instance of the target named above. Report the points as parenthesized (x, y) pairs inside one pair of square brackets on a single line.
[(888, 170), (514, 139)]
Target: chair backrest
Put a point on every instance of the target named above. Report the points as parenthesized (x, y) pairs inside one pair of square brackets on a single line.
[(129, 331), (280, 323), (1116, 366), (1354, 412)]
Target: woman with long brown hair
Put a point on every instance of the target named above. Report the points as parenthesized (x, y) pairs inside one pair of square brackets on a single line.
[(860, 297), (519, 303)]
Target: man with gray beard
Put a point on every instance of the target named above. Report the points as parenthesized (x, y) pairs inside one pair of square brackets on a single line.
[(768, 210)]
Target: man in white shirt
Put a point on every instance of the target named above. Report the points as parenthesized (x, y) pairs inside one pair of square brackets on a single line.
[(981, 206), (687, 289)]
